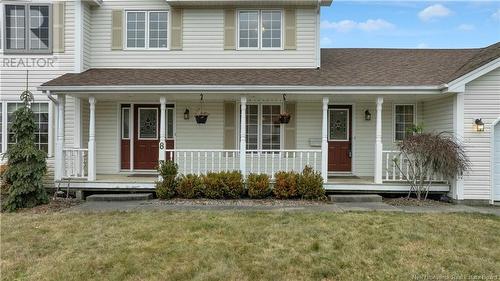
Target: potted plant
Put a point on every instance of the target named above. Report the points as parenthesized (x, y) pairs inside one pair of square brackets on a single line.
[(285, 117), (202, 116)]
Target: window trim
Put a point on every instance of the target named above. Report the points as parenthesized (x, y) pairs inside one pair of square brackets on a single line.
[(394, 118), (259, 31), (123, 123), (172, 107), (146, 31), (27, 49), (259, 126), (5, 128), (139, 122)]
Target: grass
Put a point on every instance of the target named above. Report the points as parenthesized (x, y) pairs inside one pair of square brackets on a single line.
[(201, 245)]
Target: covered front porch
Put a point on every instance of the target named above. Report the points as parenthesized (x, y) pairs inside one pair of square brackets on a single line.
[(350, 138)]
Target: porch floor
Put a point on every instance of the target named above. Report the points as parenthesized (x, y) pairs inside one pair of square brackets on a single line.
[(146, 182)]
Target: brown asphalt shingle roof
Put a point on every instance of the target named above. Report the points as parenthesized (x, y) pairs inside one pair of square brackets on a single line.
[(339, 67)]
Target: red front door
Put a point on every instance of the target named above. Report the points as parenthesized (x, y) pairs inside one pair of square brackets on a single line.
[(146, 136), (339, 138)]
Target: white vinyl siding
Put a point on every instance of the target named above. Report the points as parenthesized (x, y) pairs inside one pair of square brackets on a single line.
[(437, 115), (481, 100), (202, 42)]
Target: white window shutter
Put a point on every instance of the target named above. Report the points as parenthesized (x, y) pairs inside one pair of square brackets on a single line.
[(58, 9), (117, 30)]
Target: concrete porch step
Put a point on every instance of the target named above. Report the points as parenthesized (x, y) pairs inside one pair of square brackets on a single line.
[(120, 197), (345, 198)]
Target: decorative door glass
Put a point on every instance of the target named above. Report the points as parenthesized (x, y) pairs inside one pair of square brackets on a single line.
[(148, 123), (339, 125)]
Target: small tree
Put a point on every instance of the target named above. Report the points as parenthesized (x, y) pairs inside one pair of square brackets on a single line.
[(430, 154), (26, 164)]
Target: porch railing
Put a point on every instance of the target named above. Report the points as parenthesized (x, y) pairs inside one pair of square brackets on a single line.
[(391, 172), (271, 161), (201, 161), (75, 162)]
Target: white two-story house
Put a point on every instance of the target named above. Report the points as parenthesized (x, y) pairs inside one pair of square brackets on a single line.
[(123, 84)]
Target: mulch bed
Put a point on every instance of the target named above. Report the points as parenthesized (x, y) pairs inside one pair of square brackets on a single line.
[(239, 202), (54, 205), (414, 202)]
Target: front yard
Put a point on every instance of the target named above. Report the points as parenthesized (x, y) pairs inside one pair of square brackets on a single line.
[(232, 245)]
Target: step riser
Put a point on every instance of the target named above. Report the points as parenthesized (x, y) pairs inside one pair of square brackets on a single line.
[(365, 198)]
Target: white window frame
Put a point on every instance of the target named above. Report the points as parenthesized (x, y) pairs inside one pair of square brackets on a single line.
[(139, 123), (146, 37), (259, 125), (27, 49), (173, 122), (394, 118), (259, 30), (123, 123), (348, 123), (5, 127)]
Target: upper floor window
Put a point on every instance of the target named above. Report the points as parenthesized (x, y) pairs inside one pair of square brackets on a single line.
[(260, 29), (27, 28), (147, 29), (404, 120)]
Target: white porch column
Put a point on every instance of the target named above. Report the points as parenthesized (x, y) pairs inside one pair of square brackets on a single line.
[(243, 136), (458, 128), (324, 141), (60, 165), (91, 146), (161, 145), (378, 142)]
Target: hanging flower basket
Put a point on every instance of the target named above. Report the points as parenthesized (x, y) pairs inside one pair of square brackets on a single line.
[(285, 117), (201, 118)]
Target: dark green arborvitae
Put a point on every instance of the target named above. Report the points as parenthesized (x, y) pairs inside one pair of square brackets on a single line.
[(26, 165)]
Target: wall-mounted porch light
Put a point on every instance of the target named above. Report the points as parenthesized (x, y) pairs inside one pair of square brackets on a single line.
[(479, 125), (368, 115), (186, 114)]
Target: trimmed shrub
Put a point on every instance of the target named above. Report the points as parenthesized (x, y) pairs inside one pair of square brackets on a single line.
[(285, 185), (310, 184), (26, 164), (165, 189), (258, 186), (190, 186), (222, 185)]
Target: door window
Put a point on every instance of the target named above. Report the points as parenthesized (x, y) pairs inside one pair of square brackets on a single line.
[(148, 123), (339, 125)]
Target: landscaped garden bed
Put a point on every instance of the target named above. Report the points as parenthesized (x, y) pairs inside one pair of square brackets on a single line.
[(233, 185)]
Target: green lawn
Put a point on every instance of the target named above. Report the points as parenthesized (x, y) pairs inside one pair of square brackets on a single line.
[(201, 245)]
